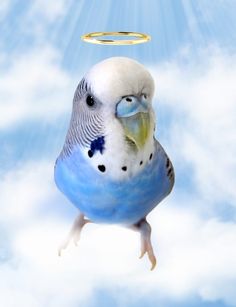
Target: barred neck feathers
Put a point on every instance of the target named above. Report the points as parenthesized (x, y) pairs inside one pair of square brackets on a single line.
[(85, 126), (118, 161)]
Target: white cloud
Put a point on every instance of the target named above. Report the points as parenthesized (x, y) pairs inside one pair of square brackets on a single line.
[(4, 7), (39, 10), (196, 256), (23, 190), (200, 97), (34, 87), (49, 10), (40, 15)]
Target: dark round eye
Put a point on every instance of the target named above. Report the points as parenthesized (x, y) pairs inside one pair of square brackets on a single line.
[(90, 101)]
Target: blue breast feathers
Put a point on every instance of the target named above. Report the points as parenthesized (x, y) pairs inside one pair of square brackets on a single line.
[(107, 201)]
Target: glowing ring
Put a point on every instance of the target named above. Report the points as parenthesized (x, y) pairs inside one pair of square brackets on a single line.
[(92, 38)]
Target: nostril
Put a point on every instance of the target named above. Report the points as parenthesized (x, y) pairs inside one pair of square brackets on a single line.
[(144, 96), (128, 99)]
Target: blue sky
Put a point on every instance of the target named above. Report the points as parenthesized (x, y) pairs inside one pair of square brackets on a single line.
[(192, 57)]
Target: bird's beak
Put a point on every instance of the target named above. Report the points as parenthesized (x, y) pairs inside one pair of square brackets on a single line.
[(133, 113)]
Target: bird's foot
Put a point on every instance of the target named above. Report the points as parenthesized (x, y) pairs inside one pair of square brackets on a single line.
[(146, 246), (74, 233)]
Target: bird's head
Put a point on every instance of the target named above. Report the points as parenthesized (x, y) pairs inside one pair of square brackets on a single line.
[(120, 89)]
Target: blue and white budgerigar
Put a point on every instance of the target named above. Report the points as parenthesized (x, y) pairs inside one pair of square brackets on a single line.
[(111, 166)]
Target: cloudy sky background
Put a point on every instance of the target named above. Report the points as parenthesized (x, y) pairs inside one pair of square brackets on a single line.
[(192, 56)]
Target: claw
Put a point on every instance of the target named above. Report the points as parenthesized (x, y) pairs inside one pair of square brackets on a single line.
[(146, 246), (153, 260), (76, 239), (74, 233), (142, 254), (63, 246), (143, 249)]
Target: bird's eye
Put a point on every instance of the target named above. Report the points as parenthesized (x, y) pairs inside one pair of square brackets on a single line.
[(90, 101)]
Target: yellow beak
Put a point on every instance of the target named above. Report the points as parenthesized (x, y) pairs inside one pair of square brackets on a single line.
[(135, 119), (136, 128)]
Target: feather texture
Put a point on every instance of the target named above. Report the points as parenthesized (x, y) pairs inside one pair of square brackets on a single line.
[(114, 201)]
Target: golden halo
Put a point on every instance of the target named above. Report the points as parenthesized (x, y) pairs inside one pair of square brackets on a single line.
[(92, 38)]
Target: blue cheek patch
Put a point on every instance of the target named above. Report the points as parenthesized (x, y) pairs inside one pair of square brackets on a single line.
[(98, 145)]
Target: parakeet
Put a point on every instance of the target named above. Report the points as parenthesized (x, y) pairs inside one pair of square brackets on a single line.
[(111, 167)]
